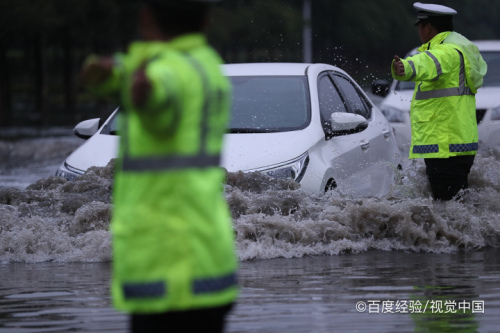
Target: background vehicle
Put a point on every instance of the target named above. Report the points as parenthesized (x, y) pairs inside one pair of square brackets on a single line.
[(307, 122), (398, 96)]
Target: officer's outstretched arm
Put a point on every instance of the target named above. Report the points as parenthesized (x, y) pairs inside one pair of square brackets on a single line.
[(101, 75), (398, 67), (141, 88), (155, 96)]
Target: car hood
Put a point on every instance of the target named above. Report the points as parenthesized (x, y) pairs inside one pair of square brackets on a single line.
[(400, 100), (242, 151), (249, 151), (487, 97), (96, 151)]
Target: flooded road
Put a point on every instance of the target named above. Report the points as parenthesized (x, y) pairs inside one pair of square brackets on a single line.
[(310, 294), (23, 161), (308, 262)]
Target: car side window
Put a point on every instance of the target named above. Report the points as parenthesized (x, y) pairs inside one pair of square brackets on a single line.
[(356, 103), (329, 102), (329, 98)]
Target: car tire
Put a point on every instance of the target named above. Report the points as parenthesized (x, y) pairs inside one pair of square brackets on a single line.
[(330, 185)]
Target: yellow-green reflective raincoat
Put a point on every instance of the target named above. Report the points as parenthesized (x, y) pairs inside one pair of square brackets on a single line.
[(448, 71), (173, 242)]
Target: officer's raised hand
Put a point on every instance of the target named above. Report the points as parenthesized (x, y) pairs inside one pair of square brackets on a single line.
[(96, 70), (398, 66), (141, 87)]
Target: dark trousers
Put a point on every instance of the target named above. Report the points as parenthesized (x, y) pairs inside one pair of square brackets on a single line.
[(210, 320), (448, 175)]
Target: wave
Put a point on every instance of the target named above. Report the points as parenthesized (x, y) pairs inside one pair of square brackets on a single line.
[(68, 221)]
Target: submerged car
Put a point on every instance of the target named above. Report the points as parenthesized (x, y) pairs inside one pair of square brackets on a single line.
[(398, 96), (307, 122)]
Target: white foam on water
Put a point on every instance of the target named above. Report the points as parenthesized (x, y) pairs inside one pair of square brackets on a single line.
[(56, 220)]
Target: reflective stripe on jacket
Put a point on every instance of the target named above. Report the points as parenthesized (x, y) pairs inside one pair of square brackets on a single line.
[(173, 241), (447, 71)]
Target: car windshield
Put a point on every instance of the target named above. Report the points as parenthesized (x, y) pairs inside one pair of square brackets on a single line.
[(492, 77), (262, 104), (111, 126)]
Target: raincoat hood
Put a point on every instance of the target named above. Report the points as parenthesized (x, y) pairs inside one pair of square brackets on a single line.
[(475, 66)]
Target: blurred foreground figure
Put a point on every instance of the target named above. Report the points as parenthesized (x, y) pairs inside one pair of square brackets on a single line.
[(448, 71), (174, 262)]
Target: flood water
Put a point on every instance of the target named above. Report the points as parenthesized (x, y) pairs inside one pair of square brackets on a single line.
[(308, 262)]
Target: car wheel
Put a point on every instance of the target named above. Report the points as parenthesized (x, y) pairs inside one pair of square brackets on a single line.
[(330, 185)]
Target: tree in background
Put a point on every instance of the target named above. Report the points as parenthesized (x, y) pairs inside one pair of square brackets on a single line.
[(43, 43), (262, 31)]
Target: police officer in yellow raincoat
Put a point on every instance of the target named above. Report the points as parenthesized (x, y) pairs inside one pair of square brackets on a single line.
[(448, 71), (174, 263)]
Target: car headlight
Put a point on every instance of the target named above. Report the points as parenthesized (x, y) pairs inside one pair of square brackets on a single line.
[(65, 171), (495, 113), (293, 169), (393, 115)]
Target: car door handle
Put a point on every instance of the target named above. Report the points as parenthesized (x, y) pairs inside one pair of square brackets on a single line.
[(365, 144), (387, 133)]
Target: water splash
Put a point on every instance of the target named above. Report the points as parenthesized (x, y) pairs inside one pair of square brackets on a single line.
[(68, 221)]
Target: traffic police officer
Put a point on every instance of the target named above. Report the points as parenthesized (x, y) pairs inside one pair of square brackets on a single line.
[(448, 71), (174, 263)]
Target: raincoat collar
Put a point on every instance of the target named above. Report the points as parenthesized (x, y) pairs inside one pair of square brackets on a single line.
[(436, 40)]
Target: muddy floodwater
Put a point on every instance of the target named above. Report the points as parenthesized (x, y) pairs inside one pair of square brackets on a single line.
[(308, 262)]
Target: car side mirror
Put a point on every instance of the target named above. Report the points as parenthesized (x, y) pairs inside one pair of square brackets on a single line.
[(347, 123), (87, 128), (381, 87)]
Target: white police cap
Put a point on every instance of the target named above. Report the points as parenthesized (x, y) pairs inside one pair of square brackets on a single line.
[(426, 10)]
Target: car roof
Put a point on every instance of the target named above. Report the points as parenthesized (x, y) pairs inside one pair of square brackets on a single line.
[(487, 45), (271, 68)]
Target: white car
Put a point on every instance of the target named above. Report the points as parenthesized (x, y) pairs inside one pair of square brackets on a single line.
[(307, 122), (398, 96)]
